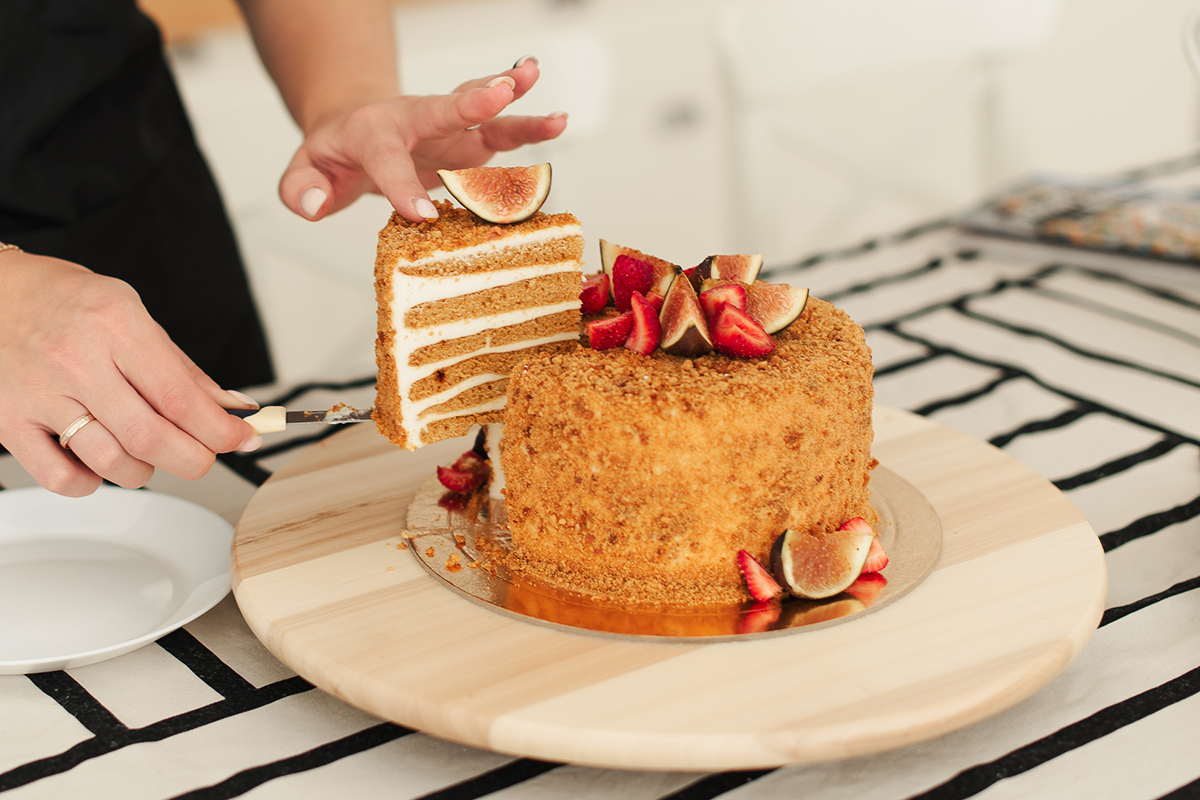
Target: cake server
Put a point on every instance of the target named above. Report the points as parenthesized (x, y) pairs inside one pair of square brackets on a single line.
[(270, 419)]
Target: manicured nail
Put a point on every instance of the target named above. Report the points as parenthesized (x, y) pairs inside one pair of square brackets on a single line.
[(502, 79), (523, 59), (556, 115), (425, 208), (312, 201), (249, 401), (251, 444)]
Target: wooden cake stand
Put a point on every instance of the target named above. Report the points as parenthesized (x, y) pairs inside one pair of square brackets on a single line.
[(1016, 593)]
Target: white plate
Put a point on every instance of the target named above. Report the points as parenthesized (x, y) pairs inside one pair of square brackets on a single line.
[(90, 578)]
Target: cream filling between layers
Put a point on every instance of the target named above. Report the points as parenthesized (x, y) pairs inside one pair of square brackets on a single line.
[(410, 291), (506, 243)]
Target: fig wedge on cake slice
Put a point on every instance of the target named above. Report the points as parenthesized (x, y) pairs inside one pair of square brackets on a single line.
[(662, 272), (684, 327), (499, 194), (819, 564), (775, 305)]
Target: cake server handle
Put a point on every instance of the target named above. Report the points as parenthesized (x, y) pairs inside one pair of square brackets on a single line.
[(271, 419)]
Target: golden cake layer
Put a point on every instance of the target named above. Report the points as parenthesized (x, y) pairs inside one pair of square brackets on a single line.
[(460, 302), (638, 478)]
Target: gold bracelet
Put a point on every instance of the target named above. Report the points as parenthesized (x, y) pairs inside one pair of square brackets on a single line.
[(4, 247)]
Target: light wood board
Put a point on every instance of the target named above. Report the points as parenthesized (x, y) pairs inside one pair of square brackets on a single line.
[(1017, 592)]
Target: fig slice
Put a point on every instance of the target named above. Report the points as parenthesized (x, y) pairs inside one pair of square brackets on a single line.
[(662, 272), (684, 328), (499, 194), (819, 564), (742, 268), (775, 305)]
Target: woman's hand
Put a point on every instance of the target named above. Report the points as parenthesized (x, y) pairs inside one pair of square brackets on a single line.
[(72, 343), (395, 147)]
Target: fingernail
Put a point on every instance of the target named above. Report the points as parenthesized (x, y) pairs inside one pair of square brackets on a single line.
[(502, 79), (556, 115), (251, 444), (249, 401), (312, 201), (425, 208), (523, 59)]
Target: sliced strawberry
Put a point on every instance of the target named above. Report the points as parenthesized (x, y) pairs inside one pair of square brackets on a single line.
[(760, 617), (867, 587), (877, 559), (763, 587), (647, 330), (593, 295), (734, 333), (630, 275), (711, 300), (656, 301), (857, 525), (466, 475), (609, 331), (459, 480)]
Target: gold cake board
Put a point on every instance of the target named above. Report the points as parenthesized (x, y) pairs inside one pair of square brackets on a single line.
[(1017, 591)]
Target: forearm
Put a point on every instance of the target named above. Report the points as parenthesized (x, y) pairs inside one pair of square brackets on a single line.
[(326, 57)]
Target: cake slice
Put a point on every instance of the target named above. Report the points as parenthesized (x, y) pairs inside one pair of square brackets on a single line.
[(461, 301)]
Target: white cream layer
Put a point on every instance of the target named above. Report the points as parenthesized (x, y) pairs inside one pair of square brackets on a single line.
[(506, 243), (410, 291)]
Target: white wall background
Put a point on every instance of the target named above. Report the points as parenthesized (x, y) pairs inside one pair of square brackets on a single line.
[(666, 151)]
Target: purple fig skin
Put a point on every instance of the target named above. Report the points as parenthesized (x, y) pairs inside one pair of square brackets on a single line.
[(701, 273), (684, 329)]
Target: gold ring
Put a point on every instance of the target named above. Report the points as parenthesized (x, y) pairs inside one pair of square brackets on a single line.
[(72, 429)]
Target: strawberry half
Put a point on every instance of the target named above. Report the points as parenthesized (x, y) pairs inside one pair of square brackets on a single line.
[(759, 617), (763, 587), (609, 331), (857, 525), (867, 587), (459, 480), (711, 300), (647, 330), (877, 559), (466, 475), (630, 275), (734, 333), (593, 294)]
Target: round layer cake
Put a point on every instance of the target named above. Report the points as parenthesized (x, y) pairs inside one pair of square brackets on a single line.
[(638, 478)]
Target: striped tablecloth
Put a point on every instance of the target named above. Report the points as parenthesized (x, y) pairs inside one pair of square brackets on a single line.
[(1087, 369)]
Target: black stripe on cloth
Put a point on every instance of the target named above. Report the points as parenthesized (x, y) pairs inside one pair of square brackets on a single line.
[(1154, 291), (971, 782), (512, 773), (900, 366), (961, 307), (246, 466), (1115, 613), (1189, 791), (117, 738), (304, 388), (1151, 523), (242, 782), (1074, 398), (1068, 417), (717, 784), (1118, 465), (1005, 376), (205, 665), (900, 277), (78, 702)]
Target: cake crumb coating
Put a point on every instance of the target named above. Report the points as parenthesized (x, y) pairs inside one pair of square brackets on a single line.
[(640, 477)]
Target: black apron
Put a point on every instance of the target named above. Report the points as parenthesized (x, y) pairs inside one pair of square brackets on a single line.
[(99, 166)]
